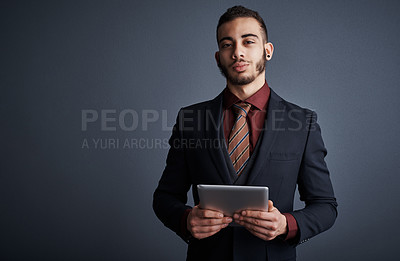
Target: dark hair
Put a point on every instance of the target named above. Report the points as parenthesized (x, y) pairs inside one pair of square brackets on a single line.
[(241, 11)]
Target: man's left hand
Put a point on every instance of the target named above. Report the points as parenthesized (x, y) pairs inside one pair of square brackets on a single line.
[(266, 225)]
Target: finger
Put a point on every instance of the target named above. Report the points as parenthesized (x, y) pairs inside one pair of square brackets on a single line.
[(255, 214), (253, 227), (207, 213), (207, 229), (270, 223), (270, 205), (267, 234), (257, 222), (227, 220), (213, 221), (205, 235)]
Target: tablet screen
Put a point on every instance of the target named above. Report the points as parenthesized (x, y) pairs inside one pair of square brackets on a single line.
[(230, 199)]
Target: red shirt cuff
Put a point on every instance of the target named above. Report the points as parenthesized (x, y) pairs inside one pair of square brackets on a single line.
[(292, 226)]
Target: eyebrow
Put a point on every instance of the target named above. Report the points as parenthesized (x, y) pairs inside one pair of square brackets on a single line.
[(231, 39)]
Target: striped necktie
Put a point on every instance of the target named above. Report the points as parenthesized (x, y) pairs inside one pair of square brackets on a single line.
[(239, 142)]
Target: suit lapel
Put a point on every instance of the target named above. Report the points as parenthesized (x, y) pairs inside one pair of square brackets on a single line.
[(271, 125), (213, 126)]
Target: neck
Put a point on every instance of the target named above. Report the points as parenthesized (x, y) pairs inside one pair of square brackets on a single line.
[(245, 91)]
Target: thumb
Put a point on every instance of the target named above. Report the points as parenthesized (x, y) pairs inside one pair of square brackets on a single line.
[(270, 205)]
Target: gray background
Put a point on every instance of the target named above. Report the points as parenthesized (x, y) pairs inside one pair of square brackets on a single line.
[(59, 58)]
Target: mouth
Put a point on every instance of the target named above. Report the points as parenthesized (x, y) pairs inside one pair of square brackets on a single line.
[(240, 66)]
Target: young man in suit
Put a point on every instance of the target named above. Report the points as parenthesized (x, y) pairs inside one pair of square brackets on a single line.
[(247, 135)]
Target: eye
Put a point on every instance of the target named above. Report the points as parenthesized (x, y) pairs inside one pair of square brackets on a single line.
[(249, 41), (226, 45)]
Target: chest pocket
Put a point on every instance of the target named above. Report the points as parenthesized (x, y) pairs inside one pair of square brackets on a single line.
[(283, 156)]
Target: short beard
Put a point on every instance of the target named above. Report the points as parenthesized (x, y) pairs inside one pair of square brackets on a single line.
[(260, 67)]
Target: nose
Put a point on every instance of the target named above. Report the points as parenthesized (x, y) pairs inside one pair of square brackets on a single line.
[(238, 52)]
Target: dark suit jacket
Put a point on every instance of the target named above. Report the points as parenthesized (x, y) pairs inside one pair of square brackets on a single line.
[(291, 153)]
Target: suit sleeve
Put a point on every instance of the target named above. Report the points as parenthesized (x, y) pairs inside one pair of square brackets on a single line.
[(170, 197), (315, 187)]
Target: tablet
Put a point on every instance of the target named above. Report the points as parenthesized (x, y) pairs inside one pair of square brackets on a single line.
[(230, 199)]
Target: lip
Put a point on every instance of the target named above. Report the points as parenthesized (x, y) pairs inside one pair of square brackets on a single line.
[(240, 66)]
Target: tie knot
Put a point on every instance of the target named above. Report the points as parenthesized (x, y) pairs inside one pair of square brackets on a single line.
[(241, 108)]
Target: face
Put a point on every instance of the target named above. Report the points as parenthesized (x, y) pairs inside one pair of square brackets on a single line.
[(242, 51)]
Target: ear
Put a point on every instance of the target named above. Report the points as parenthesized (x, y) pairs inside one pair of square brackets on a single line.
[(269, 50), (217, 57)]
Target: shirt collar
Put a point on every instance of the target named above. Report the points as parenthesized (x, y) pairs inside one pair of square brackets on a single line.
[(258, 100)]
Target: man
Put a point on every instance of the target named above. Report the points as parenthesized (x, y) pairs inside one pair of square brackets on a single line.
[(247, 135)]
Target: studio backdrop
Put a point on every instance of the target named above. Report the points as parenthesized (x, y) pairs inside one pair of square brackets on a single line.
[(90, 91)]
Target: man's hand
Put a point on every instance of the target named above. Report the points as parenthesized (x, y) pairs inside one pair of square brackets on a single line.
[(263, 224), (203, 223)]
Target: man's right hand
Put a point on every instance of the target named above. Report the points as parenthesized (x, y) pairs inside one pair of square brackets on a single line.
[(203, 223)]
